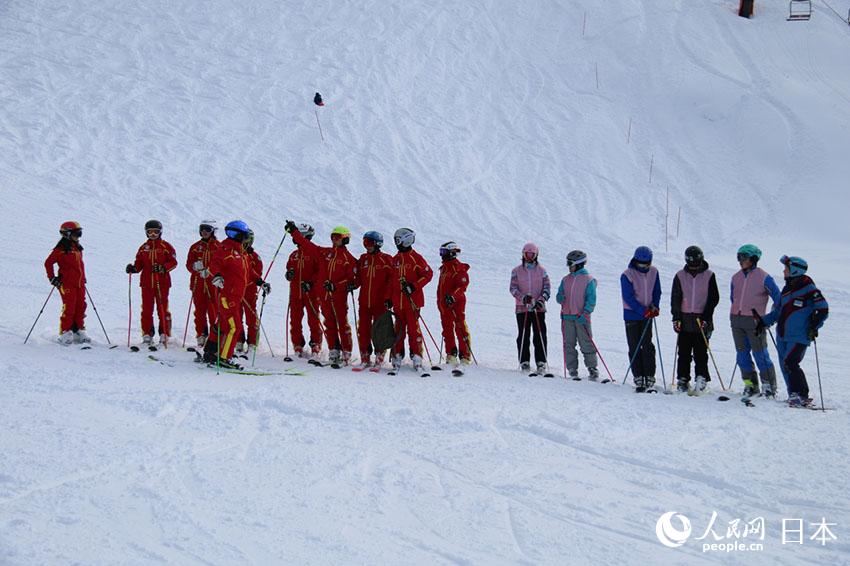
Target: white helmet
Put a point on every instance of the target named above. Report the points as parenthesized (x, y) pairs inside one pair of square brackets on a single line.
[(209, 225), (306, 230), (404, 238)]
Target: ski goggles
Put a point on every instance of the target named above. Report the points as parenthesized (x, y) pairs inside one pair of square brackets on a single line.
[(153, 231), (744, 257), (76, 232), (572, 262), (642, 265), (206, 228)]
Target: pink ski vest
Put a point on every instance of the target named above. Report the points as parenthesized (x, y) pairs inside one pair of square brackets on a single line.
[(643, 284), (749, 292), (574, 289), (694, 290), (529, 282)]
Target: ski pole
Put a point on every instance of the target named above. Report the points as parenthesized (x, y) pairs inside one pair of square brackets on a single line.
[(274, 257), (820, 386), (733, 375), (536, 320), (598, 353), (468, 345), (418, 319), (189, 312), (356, 326), (676, 362), (163, 320), (660, 357), (564, 343), (260, 325), (705, 339), (52, 288), (637, 350), (525, 326), (98, 316), (286, 358), (218, 332), (129, 306)]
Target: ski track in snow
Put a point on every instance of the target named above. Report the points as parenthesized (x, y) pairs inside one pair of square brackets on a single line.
[(478, 122)]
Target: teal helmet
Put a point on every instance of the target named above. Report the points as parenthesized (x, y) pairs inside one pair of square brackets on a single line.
[(750, 252)]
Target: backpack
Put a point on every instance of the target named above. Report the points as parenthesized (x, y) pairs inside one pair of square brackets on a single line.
[(383, 332)]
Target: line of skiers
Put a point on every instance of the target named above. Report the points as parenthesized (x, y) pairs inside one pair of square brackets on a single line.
[(227, 277)]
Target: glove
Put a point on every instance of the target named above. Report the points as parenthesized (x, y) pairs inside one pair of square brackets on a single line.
[(350, 287), (157, 268), (407, 288), (266, 287), (290, 227), (389, 304), (57, 282), (651, 312), (290, 273), (812, 333), (583, 318), (306, 286), (198, 265), (329, 286), (677, 326), (760, 326), (449, 300), (218, 281), (526, 300), (204, 273), (131, 268), (539, 305)]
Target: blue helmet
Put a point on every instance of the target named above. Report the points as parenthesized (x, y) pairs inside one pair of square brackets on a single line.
[(796, 265), (376, 237), (643, 255), (236, 230)]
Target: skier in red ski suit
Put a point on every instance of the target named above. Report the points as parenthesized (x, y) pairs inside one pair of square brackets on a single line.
[(302, 272), (451, 300), (411, 274), (249, 305), (71, 282), (198, 264), (374, 277), (154, 262)]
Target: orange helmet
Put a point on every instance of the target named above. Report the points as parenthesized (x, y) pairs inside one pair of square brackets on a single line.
[(67, 227)]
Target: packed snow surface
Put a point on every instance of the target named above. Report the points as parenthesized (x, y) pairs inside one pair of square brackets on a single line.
[(592, 125)]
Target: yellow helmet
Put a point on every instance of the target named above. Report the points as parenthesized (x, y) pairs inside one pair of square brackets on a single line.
[(342, 231)]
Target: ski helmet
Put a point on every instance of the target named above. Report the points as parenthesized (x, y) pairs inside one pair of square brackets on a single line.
[(694, 256), (530, 249), (236, 230), (404, 238), (576, 258), (643, 255), (306, 230), (208, 226), (153, 225), (750, 252), (449, 251), (376, 237), (343, 232), (796, 265), (69, 228)]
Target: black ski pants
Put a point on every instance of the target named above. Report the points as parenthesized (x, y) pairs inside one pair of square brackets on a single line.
[(529, 323), (691, 346), (644, 360)]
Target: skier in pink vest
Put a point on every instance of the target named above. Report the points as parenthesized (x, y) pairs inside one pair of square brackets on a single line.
[(641, 292), (692, 303), (750, 288), (530, 288), (577, 297)]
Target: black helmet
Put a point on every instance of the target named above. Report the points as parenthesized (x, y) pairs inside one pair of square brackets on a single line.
[(576, 258), (693, 256), (153, 225)]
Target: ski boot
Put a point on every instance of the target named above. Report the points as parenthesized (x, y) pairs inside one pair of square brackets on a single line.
[(640, 384), (525, 366), (66, 338), (201, 339), (80, 337), (452, 360), (574, 374), (163, 340), (147, 339), (700, 384), (682, 384), (650, 384), (593, 374)]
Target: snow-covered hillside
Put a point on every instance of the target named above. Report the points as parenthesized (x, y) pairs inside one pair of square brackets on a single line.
[(489, 123)]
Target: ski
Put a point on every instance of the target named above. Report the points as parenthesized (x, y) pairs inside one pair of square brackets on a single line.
[(375, 369), (152, 348), (457, 372), (576, 378), (435, 367), (549, 374), (161, 361), (317, 363), (747, 402)]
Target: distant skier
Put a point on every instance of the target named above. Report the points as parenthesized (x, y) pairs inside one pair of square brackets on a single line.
[(451, 302), (198, 263), (531, 289), (337, 272), (799, 314), (154, 262), (411, 274), (692, 302), (641, 291), (71, 282), (374, 278), (229, 267), (302, 272), (750, 288), (577, 297), (251, 338)]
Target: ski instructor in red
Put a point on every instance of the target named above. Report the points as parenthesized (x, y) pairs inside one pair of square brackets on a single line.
[(338, 272), (451, 301), (198, 264), (412, 273), (71, 282)]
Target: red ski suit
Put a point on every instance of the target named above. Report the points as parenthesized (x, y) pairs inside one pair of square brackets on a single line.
[(454, 279), (155, 286), (231, 262), (255, 273), (338, 266), (202, 291), (69, 256), (374, 278), (305, 268), (411, 267)]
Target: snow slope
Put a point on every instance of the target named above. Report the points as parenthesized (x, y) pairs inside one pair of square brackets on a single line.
[(480, 122)]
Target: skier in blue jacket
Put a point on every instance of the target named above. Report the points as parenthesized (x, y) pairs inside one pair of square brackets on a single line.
[(799, 314)]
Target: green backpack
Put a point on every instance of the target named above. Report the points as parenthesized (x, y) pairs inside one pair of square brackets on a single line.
[(383, 332)]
